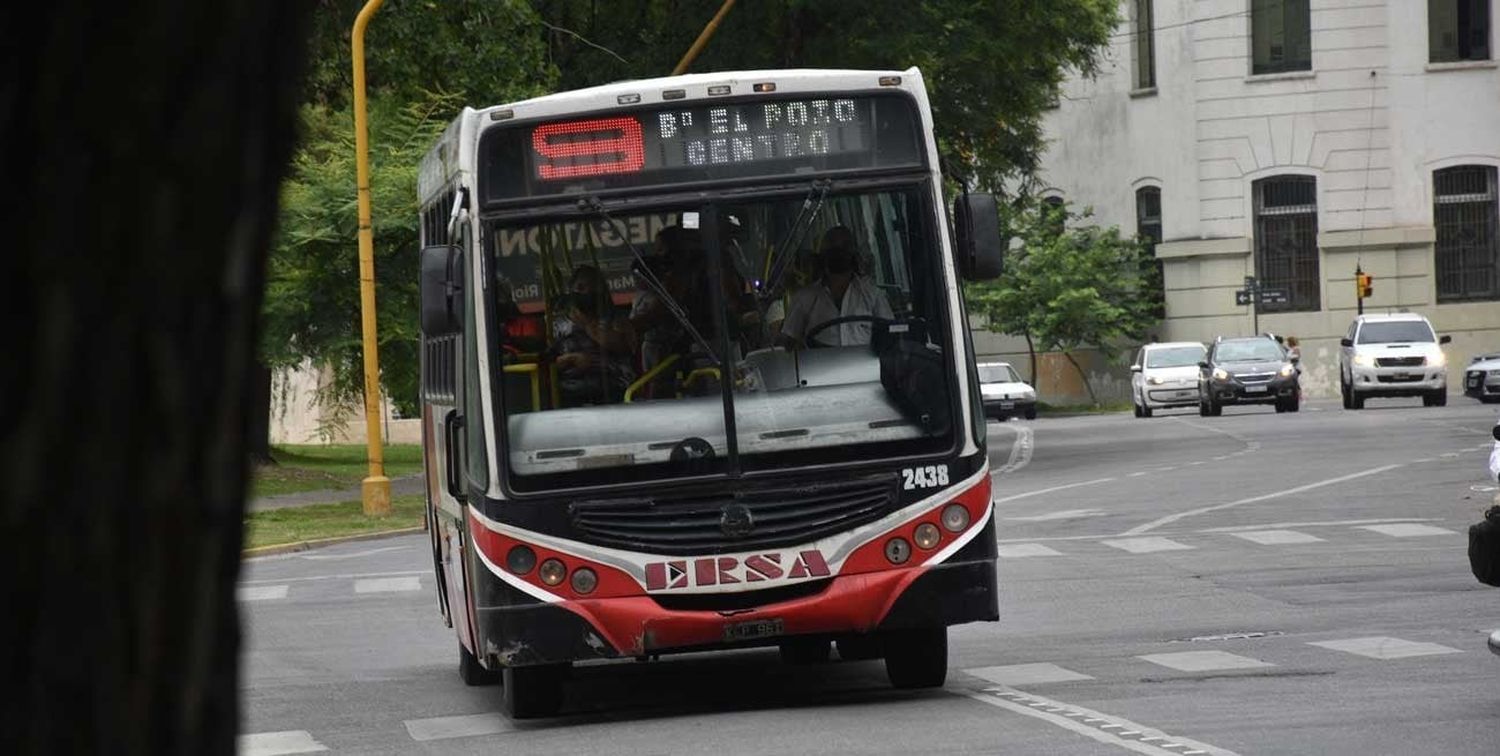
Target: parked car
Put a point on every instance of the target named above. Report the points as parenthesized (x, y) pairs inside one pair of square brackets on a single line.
[(1165, 375), (1482, 378), (1248, 370), (1003, 392), (1392, 355)]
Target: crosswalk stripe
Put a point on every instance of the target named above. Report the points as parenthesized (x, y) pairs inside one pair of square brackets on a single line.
[(387, 585), (261, 592), (1407, 530), (1276, 537), (1204, 661), (278, 743), (1146, 545), (1027, 674), (1383, 648), (1017, 550)]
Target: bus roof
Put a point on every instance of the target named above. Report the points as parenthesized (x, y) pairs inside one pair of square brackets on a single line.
[(444, 160)]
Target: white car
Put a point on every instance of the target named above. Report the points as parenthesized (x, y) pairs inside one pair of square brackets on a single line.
[(1166, 375), (1482, 378), (1392, 355), (1004, 393)]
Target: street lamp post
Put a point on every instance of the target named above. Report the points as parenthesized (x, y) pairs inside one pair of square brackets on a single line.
[(375, 490)]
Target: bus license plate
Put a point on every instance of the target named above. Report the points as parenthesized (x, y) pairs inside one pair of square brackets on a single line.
[(765, 628)]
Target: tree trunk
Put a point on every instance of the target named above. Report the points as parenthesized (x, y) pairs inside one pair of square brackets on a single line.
[(144, 145), (1085, 376), (258, 405), (1031, 351)]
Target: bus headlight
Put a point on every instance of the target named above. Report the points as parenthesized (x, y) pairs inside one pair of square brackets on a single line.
[(927, 536), (552, 572), (955, 517), (897, 550), (520, 559), (584, 580)]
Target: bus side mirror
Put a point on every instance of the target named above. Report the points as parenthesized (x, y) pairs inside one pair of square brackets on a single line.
[(976, 230), (442, 290)]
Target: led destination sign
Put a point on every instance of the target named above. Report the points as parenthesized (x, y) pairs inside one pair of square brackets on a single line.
[(698, 143)]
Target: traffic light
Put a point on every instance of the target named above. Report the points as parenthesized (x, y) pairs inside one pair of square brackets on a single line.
[(1362, 285)]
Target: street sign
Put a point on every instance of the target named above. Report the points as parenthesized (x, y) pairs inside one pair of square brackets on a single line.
[(1243, 297), (1274, 296)]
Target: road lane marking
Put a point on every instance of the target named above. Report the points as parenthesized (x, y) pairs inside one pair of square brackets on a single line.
[(1154, 524), (1378, 647), (1066, 514), (261, 592), (1146, 545), (1407, 530), (1019, 550), (1064, 487), (354, 576), (1027, 674), (1314, 524), (387, 585), (1276, 537), (278, 743), (463, 726), (1204, 661), (1010, 700), (1020, 452)]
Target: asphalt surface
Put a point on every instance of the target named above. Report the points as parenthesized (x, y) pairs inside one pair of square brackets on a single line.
[(1253, 583)]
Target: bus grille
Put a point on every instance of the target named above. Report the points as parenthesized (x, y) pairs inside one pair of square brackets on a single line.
[(739, 521)]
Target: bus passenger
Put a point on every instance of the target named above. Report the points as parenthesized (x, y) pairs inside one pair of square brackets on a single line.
[(840, 292), (592, 349)]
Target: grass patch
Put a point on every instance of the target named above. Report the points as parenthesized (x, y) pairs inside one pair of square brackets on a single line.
[(1082, 409), (317, 467), (292, 524)]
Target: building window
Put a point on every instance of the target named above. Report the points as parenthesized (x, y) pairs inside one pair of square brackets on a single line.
[(1280, 36), (1148, 215), (1055, 213), (1286, 240), (1467, 256), (1145, 45), (1458, 30)]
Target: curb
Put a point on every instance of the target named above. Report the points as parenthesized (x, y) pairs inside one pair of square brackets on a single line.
[(288, 548)]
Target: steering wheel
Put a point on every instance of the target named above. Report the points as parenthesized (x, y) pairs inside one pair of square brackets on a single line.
[(807, 337)]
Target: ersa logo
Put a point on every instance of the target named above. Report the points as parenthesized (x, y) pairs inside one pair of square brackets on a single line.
[(756, 568)]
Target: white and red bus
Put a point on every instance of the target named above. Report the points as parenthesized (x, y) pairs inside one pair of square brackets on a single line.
[(696, 375)]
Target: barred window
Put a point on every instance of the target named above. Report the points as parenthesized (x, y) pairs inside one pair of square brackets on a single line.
[(1148, 214), (1145, 45), (1466, 256), (1280, 36), (1286, 240), (1458, 30)]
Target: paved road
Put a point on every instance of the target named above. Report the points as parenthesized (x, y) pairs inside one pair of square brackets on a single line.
[(1253, 583)]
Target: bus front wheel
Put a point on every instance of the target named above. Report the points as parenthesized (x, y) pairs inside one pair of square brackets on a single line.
[(535, 691), (917, 658)]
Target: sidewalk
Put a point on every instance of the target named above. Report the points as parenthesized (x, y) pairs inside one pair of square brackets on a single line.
[(406, 484)]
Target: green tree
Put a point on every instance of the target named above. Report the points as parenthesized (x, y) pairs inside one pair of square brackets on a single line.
[(1071, 285)]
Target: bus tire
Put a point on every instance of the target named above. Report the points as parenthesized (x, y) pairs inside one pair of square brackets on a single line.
[(804, 651), (472, 672), (917, 658), (535, 691)]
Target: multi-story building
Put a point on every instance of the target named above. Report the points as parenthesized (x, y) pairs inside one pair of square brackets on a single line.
[(1297, 141)]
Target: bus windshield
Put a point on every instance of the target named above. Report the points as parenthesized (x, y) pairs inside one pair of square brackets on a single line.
[(700, 339)]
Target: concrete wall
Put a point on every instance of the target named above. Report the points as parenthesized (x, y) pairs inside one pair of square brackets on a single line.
[(1370, 122), (297, 417)]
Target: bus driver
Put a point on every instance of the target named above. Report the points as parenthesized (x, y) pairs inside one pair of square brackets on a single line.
[(840, 292)]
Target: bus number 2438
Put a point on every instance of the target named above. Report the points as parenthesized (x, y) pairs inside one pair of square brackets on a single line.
[(931, 476)]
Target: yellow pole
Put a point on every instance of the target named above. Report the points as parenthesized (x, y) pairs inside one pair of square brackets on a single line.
[(708, 31), (375, 490)]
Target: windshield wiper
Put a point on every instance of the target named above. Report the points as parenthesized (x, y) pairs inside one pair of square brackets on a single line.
[(593, 205), (781, 255)]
